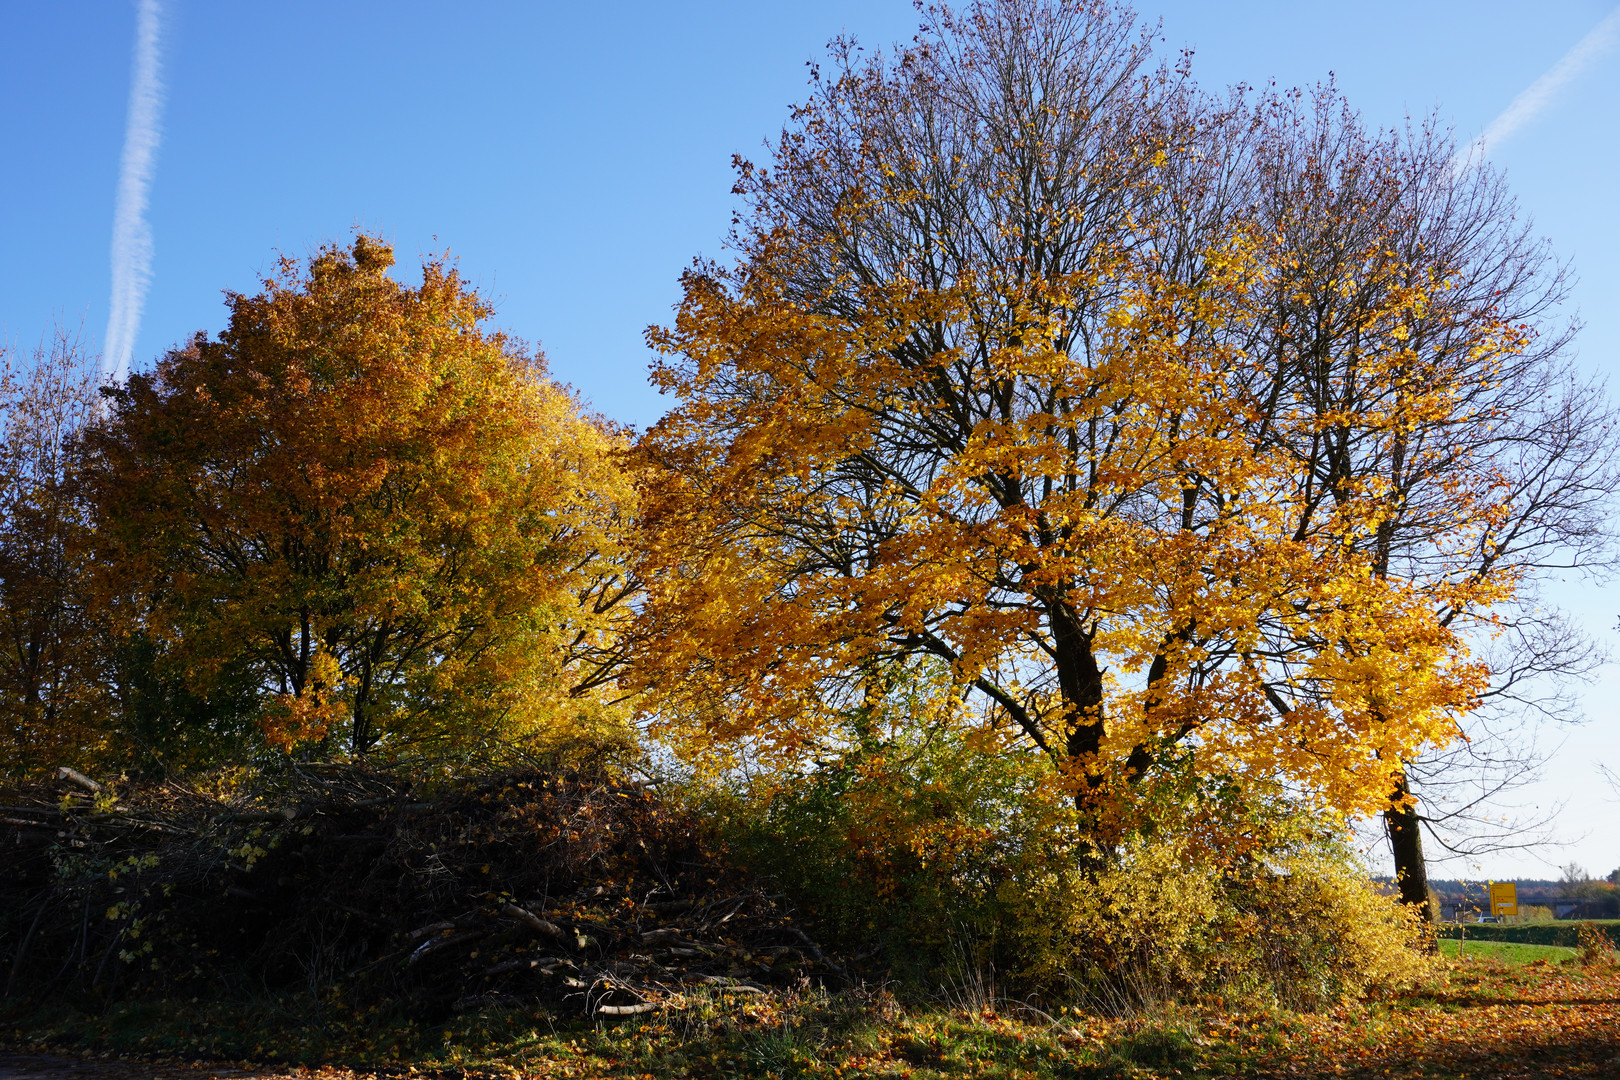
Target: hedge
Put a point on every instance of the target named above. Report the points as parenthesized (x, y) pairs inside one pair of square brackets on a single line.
[(1553, 933)]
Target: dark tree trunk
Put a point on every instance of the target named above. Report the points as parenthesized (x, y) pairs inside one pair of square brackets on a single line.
[(1406, 842), (1080, 681), (360, 740)]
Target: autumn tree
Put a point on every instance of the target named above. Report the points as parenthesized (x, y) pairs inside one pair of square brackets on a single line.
[(1358, 215), (953, 402), (51, 677), (384, 514), (1018, 370)]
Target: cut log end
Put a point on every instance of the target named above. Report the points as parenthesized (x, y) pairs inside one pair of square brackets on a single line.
[(77, 777)]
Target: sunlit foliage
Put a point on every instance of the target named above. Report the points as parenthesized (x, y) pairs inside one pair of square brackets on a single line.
[(385, 515), (1006, 376)]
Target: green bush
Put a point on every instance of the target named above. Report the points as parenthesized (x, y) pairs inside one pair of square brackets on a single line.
[(954, 862), (1532, 913), (1556, 933), (904, 851), (1160, 922)]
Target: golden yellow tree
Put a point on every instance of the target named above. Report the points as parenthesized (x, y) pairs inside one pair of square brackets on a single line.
[(994, 382), (387, 514), (1527, 442), (1113, 549)]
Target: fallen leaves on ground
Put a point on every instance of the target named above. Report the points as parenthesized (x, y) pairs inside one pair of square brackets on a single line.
[(1479, 1020), (1484, 1020)]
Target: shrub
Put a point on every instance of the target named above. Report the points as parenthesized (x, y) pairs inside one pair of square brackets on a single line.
[(906, 850), (1533, 913), (1596, 946), (1161, 922), (954, 868)]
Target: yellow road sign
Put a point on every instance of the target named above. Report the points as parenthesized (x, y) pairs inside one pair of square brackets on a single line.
[(1504, 899)]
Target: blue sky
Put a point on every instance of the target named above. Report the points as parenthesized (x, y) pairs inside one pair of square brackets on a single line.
[(576, 157)]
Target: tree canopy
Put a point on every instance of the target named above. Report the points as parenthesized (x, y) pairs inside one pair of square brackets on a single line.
[(384, 515), (52, 693), (1192, 435)]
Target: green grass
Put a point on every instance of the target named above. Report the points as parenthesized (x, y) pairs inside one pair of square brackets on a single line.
[(1505, 952)]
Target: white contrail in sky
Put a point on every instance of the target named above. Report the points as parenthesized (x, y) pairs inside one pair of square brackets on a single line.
[(1540, 93), (132, 236)]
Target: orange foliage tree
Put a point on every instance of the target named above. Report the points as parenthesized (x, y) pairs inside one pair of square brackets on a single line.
[(386, 514), (1506, 476), (52, 686), (1001, 380)]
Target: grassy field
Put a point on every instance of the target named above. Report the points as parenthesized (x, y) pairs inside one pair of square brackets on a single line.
[(1498, 1011), (1511, 953)]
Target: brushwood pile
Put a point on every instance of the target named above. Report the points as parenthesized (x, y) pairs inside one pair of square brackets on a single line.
[(572, 890)]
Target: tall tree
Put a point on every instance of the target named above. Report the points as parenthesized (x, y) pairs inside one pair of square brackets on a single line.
[(1117, 400), (1358, 215), (383, 512), (51, 682), (957, 401)]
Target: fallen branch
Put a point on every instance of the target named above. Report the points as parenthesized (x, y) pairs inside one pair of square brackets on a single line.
[(547, 964), (26, 824), (535, 922), (248, 817), (677, 942), (77, 777), (431, 946)]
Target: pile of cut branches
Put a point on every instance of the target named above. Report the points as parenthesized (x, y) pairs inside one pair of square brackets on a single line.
[(576, 889)]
